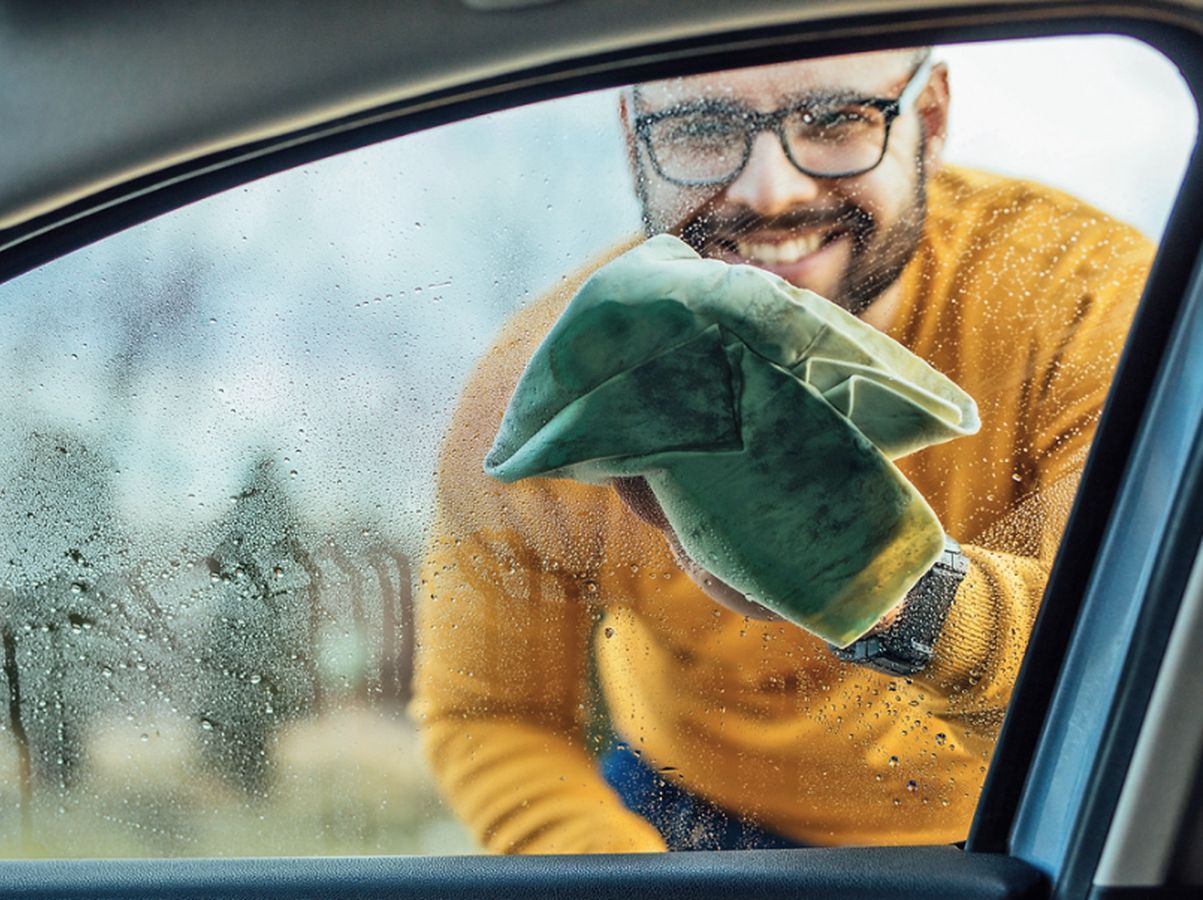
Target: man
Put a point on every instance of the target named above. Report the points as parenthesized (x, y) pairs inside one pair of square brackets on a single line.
[(736, 731)]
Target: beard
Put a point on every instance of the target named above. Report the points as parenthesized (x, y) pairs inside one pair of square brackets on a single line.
[(878, 255)]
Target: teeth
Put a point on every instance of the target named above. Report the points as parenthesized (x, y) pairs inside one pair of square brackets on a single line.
[(780, 253)]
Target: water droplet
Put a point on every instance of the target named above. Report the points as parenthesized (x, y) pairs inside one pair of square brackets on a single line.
[(893, 761), (609, 632), (206, 725), (912, 786)]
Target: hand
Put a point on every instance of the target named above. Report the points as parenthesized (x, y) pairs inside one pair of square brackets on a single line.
[(637, 496)]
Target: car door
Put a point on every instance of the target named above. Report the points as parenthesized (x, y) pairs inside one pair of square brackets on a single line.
[(1061, 813)]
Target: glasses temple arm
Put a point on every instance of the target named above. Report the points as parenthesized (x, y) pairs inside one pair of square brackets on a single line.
[(915, 85)]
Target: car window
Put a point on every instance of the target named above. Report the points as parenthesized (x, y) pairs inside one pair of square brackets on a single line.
[(267, 586)]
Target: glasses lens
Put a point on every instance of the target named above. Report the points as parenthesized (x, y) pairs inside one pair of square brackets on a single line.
[(697, 146), (837, 138)]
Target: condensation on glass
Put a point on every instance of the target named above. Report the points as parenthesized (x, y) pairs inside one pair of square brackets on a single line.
[(218, 489)]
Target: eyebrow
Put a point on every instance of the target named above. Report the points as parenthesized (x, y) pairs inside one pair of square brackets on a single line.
[(802, 98), (821, 93)]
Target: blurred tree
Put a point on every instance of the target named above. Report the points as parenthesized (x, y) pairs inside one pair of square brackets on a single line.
[(394, 576), (258, 667), (59, 540)]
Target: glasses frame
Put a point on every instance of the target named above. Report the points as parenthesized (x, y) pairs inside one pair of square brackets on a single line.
[(890, 108)]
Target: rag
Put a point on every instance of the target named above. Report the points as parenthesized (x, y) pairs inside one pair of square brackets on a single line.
[(764, 418)]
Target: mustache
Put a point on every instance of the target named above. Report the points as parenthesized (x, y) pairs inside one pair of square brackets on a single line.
[(705, 230)]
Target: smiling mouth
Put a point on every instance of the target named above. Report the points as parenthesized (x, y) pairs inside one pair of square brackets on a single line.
[(782, 251)]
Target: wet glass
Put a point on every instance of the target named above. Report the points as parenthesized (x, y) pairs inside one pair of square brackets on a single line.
[(709, 146), (824, 136), (258, 597)]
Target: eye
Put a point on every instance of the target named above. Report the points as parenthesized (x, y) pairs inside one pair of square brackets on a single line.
[(696, 134), (836, 116), (835, 123), (701, 127)]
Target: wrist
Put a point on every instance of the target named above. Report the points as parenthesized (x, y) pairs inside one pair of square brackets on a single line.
[(903, 642)]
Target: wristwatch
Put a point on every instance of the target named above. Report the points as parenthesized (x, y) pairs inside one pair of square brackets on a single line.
[(906, 646)]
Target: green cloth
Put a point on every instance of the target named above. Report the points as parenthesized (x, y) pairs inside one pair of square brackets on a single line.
[(764, 419)]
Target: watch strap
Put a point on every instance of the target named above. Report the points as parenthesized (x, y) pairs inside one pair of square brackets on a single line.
[(907, 645)]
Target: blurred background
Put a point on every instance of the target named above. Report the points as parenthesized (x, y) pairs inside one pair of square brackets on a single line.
[(221, 447)]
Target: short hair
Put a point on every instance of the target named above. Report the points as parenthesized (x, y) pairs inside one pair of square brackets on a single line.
[(919, 55)]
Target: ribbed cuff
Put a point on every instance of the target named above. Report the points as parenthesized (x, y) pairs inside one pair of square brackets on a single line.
[(963, 648)]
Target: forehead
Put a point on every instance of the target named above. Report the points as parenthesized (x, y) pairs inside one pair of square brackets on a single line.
[(763, 87)]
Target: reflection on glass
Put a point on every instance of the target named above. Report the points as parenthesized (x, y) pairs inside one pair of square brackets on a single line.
[(242, 496)]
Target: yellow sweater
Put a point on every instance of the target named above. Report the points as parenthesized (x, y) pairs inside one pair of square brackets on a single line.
[(534, 595)]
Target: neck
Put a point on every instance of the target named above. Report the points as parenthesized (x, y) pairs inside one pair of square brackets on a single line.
[(882, 312)]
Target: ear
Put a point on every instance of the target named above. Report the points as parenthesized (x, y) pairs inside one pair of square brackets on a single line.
[(628, 136), (933, 110)]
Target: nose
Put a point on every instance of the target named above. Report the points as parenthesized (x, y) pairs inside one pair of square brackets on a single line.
[(770, 184)]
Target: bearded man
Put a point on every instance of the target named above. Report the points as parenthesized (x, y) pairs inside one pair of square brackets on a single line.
[(727, 728)]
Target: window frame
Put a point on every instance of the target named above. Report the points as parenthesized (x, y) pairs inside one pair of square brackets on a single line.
[(1128, 420)]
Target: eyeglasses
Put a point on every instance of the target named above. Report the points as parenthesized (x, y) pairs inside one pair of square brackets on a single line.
[(710, 142)]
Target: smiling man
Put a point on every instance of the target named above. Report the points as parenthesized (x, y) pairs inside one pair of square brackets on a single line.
[(725, 729), (844, 215)]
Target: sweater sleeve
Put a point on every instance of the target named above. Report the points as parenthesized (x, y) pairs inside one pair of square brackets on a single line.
[(501, 700), (981, 646)]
